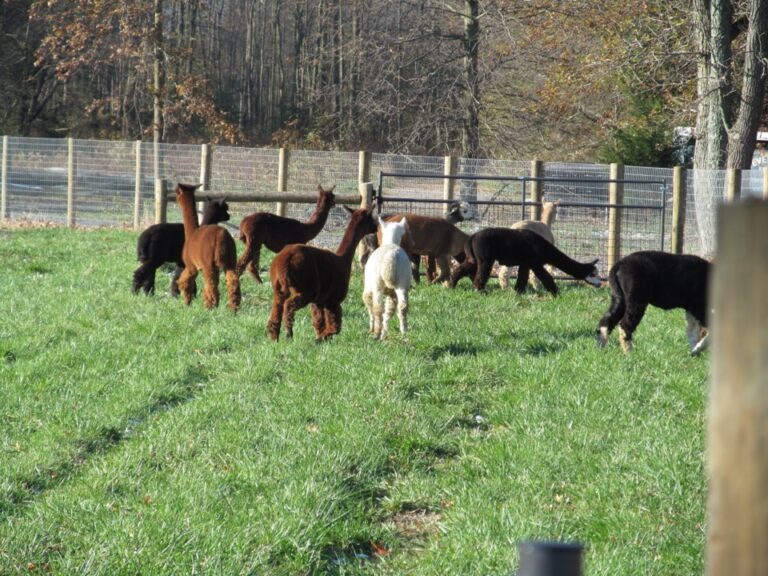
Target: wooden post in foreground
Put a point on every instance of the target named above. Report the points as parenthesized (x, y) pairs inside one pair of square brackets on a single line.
[(733, 184), (765, 182), (206, 157), (449, 184), (679, 193), (615, 199), (282, 178), (738, 399), (363, 166), (366, 194), (161, 201)]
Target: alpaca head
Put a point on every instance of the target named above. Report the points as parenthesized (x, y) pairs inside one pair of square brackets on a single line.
[(549, 212), (326, 198), (186, 190), (392, 232), (593, 278), (458, 212), (362, 220), (216, 210)]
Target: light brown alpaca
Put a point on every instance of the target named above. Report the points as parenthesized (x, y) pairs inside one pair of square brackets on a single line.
[(304, 275), (209, 249), (276, 232), (542, 227)]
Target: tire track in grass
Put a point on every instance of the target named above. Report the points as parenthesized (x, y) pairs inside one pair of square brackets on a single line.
[(21, 491)]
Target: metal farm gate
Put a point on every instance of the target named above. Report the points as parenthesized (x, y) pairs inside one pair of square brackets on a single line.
[(581, 225)]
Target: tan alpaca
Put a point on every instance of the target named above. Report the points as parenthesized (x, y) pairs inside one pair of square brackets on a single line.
[(542, 228)]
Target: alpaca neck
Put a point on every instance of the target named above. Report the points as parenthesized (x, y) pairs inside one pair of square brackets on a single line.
[(352, 235), (548, 213), (318, 218), (566, 263), (188, 213)]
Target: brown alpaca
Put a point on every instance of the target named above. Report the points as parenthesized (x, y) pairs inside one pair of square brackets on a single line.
[(304, 275), (209, 249), (276, 232)]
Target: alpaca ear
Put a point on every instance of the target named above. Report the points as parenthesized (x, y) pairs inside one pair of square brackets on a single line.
[(208, 198), (332, 188), (381, 222), (403, 222), (347, 208)]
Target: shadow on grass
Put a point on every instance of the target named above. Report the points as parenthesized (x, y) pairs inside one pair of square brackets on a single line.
[(25, 489)]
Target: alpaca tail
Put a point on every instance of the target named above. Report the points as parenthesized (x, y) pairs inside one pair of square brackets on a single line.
[(142, 249)]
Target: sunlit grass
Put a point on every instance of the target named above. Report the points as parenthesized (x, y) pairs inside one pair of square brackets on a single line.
[(142, 436)]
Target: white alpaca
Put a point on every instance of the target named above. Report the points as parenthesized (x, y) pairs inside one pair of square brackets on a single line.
[(387, 276), (542, 228)]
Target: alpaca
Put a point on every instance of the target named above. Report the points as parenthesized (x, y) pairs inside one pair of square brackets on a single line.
[(276, 232), (542, 227), (663, 280), (161, 243), (209, 248), (387, 277), (303, 274), (522, 248)]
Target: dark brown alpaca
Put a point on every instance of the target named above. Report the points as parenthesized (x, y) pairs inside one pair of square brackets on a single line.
[(304, 275), (276, 232), (209, 249)]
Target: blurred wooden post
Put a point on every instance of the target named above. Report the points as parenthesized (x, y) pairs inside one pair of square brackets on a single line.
[(4, 181), (733, 184), (615, 199), (765, 182), (679, 193), (364, 167), (282, 178), (738, 398), (161, 201), (537, 171), (137, 188), (70, 182), (366, 194), (206, 154), (449, 184)]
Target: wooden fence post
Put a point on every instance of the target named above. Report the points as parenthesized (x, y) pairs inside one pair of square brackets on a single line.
[(282, 178), (137, 187), (206, 154), (765, 182), (4, 181), (537, 171), (615, 199), (679, 192), (70, 182), (366, 194), (737, 427), (364, 167), (733, 184), (449, 184), (161, 201)]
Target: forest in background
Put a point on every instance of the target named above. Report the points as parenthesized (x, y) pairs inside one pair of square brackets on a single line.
[(579, 80)]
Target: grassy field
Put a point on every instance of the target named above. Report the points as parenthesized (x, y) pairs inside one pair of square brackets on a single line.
[(139, 436)]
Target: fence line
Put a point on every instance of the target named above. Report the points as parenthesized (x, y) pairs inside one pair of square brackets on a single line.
[(114, 183)]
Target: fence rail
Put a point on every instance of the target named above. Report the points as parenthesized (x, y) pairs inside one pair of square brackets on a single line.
[(86, 182)]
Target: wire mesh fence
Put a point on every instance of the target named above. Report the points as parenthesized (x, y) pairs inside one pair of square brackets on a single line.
[(107, 183)]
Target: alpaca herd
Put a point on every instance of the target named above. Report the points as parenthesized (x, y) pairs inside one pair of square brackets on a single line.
[(302, 274)]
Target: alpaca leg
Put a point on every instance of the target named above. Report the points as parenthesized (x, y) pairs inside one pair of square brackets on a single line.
[(390, 300), (466, 268), (415, 261), (378, 314), (402, 309), (368, 301), (629, 323), (250, 259), (503, 275), (275, 316), (429, 264), (175, 280), (234, 296), (610, 319), (144, 277), (293, 303), (546, 279), (697, 335), (522, 279), (318, 320), (211, 287), (444, 264), (186, 281), (482, 274), (332, 321)]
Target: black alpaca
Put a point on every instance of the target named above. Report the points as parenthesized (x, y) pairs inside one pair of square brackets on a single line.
[(522, 248), (161, 243), (663, 280)]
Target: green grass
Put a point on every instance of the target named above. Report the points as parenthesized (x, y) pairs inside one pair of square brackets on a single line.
[(139, 436)]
